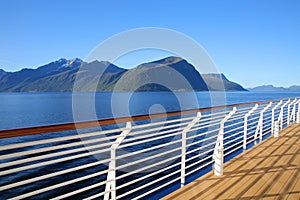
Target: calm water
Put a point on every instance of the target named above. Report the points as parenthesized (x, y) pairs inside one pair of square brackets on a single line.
[(34, 109)]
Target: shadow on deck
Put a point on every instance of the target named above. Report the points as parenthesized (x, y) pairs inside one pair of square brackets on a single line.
[(271, 170)]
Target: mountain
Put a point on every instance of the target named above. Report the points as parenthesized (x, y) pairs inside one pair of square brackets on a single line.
[(2, 72), (171, 73), (60, 76), (218, 82), (271, 88), (294, 88)]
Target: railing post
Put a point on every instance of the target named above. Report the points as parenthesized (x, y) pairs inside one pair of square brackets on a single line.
[(281, 114), (246, 126), (260, 125), (276, 132), (183, 150), (298, 113), (113, 173), (273, 116), (110, 188), (218, 156), (288, 114), (291, 114)]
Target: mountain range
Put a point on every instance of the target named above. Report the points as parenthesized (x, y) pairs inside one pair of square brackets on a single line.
[(271, 88), (171, 73)]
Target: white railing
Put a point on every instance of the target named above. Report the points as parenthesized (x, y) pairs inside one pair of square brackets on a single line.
[(136, 158)]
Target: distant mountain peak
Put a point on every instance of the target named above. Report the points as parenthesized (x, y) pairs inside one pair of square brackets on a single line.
[(168, 60), (272, 88), (162, 62), (63, 64), (75, 60), (106, 63), (62, 60)]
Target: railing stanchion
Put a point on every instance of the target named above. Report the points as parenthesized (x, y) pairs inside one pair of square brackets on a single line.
[(110, 188), (281, 115), (183, 151), (276, 132), (260, 125), (291, 114), (218, 155), (246, 126), (273, 117), (298, 113)]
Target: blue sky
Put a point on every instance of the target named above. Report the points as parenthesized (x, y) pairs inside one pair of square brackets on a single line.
[(253, 42)]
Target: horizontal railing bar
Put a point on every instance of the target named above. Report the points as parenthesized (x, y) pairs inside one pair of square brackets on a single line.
[(232, 130), (235, 134), (199, 155), (199, 161), (148, 184), (227, 148), (216, 118), (148, 175), (198, 168), (266, 132), (238, 147), (200, 128), (10, 171), (208, 124), (52, 187), (55, 154), (233, 140), (59, 139), (148, 158), (181, 120), (148, 149), (210, 115), (148, 167), (82, 190), (150, 139), (202, 147), (252, 140), (200, 134), (39, 178), (156, 132), (57, 147), (234, 124), (200, 141), (96, 123), (157, 188)]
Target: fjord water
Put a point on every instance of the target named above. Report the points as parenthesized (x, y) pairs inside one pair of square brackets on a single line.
[(36, 109)]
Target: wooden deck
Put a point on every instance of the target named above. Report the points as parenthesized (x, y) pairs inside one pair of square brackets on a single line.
[(271, 170)]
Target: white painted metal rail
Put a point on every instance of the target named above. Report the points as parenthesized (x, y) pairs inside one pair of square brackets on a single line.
[(138, 158)]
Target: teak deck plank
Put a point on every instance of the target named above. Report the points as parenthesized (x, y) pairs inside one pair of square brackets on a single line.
[(270, 170)]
